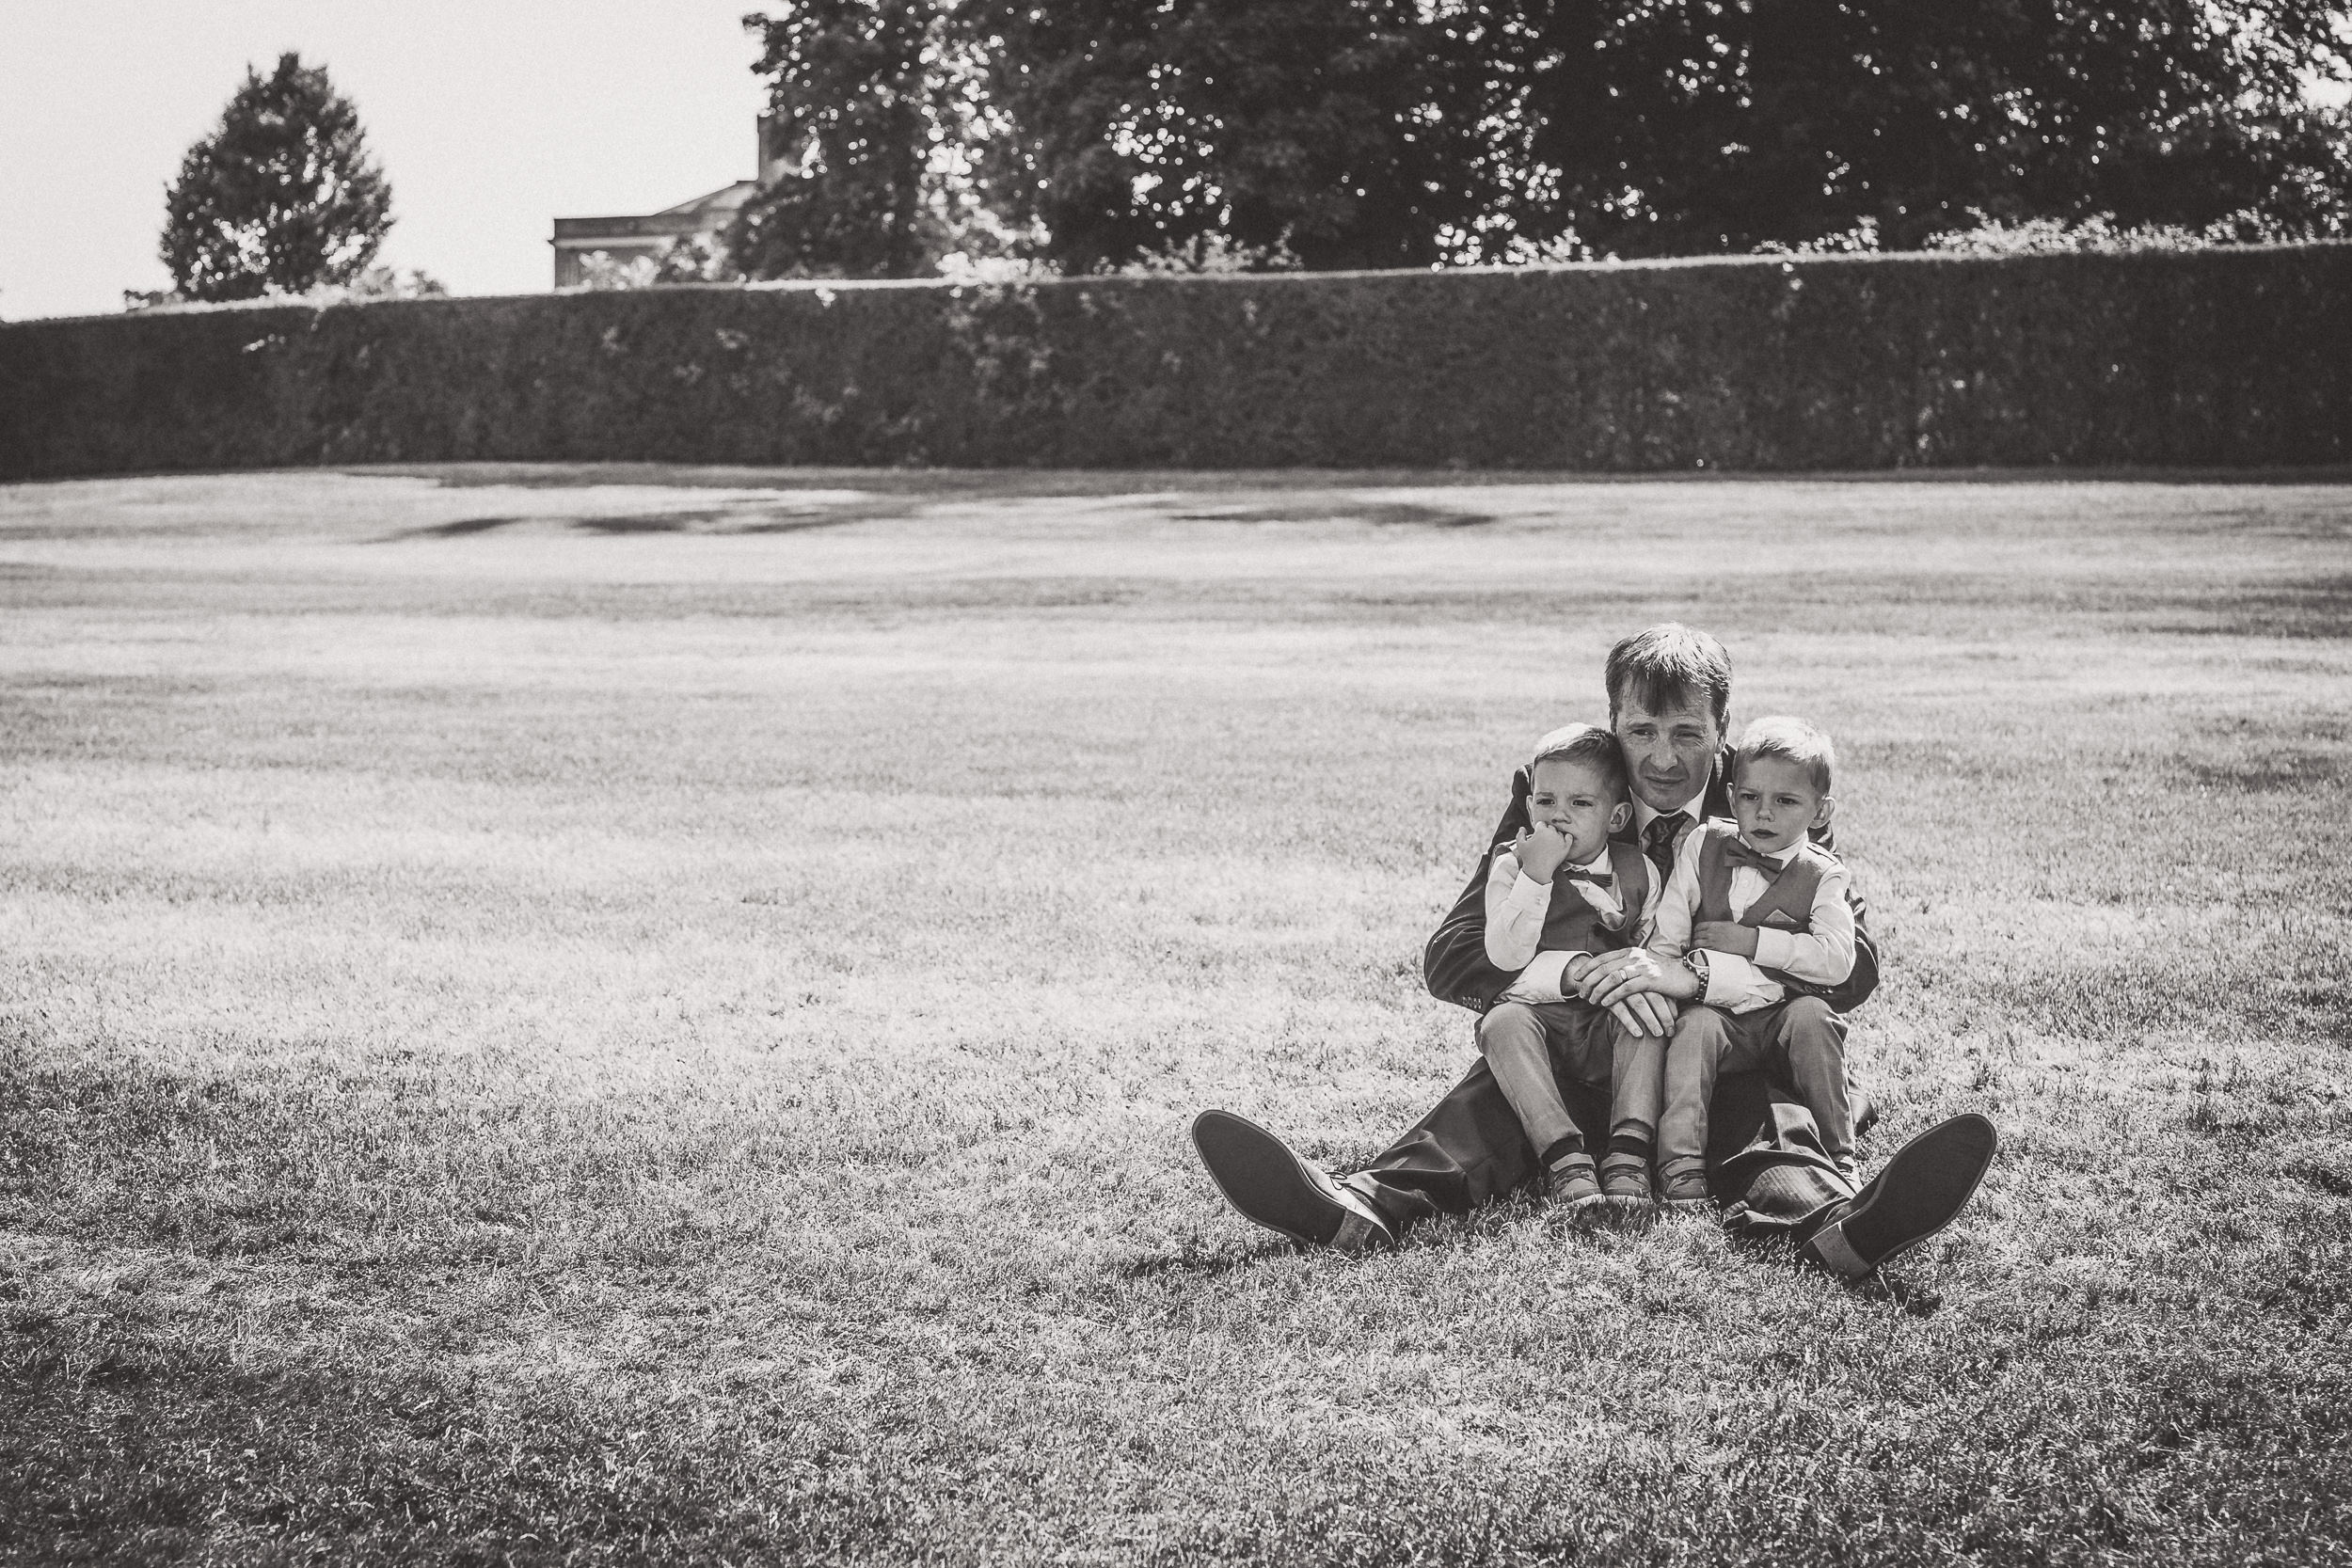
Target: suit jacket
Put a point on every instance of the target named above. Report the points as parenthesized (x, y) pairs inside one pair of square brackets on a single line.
[(1454, 965)]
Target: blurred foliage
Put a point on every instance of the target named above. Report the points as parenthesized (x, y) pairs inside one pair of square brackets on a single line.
[(693, 259), (281, 197), (601, 270), (1691, 128), (1104, 134), (2103, 233), (394, 283), (872, 95), (689, 258), (374, 283), (1311, 133)]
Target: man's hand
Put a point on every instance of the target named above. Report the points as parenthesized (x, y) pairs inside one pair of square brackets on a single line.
[(1646, 1012), (1539, 851), (1630, 972), (1725, 936)]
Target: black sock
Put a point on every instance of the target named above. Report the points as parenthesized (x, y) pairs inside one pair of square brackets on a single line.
[(1562, 1149), (1629, 1143)]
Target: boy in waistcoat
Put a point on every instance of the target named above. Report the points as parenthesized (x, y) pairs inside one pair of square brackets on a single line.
[(1560, 893), (1760, 914)]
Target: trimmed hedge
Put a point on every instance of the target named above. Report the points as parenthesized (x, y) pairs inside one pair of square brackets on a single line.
[(2216, 357)]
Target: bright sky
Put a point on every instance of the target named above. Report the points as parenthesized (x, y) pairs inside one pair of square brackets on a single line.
[(491, 118)]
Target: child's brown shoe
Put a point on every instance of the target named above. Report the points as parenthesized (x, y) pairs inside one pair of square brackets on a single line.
[(1624, 1184), (1569, 1185), (1684, 1190)]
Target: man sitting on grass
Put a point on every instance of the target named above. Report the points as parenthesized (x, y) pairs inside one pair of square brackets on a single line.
[(1669, 702)]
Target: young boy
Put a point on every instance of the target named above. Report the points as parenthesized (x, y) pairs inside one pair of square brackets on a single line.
[(1757, 912), (1561, 893)]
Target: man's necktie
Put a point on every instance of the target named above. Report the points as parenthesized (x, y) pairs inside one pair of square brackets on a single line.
[(1603, 880), (1658, 842)]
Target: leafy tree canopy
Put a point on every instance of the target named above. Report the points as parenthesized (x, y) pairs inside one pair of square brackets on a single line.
[(282, 197), (1101, 133), (1711, 125), (870, 94), (1315, 133)]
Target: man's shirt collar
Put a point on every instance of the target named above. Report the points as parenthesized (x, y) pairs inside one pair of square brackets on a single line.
[(1645, 814)]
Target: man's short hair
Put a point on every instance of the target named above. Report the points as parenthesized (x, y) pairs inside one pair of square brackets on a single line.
[(1792, 740), (1669, 666), (1591, 745)]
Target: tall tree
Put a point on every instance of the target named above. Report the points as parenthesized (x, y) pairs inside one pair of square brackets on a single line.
[(1706, 125), (872, 96), (282, 197), (1324, 133), (1400, 133)]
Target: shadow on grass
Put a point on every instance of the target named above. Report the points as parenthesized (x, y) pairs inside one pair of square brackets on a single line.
[(1378, 513), (1771, 1249), (457, 529), (708, 520), (723, 520), (1191, 1263), (141, 1452)]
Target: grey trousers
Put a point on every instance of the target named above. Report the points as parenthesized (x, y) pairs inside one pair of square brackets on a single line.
[(1800, 1041), (1534, 1046)]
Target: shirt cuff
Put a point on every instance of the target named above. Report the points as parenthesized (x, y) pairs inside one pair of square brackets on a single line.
[(1732, 979), (1774, 949), (1527, 892), (1541, 980)]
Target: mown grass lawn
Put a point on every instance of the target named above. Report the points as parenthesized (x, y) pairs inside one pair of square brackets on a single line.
[(617, 1015)]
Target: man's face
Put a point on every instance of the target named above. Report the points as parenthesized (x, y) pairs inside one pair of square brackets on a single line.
[(1670, 751)]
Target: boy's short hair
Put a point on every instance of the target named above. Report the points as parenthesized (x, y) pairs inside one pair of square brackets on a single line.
[(1669, 665), (1589, 744), (1791, 740)]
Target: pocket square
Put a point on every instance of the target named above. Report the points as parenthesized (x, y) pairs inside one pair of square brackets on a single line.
[(1779, 917)]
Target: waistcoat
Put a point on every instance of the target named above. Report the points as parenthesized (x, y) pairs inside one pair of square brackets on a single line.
[(1789, 893), (1573, 925)]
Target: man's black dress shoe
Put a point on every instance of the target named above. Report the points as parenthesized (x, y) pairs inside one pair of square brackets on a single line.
[(1261, 1177), (1923, 1188)]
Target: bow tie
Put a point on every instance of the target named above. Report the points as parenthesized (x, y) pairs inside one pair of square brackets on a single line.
[(1602, 880), (1738, 852)]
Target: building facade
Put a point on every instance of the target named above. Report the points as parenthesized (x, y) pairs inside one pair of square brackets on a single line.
[(650, 235)]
